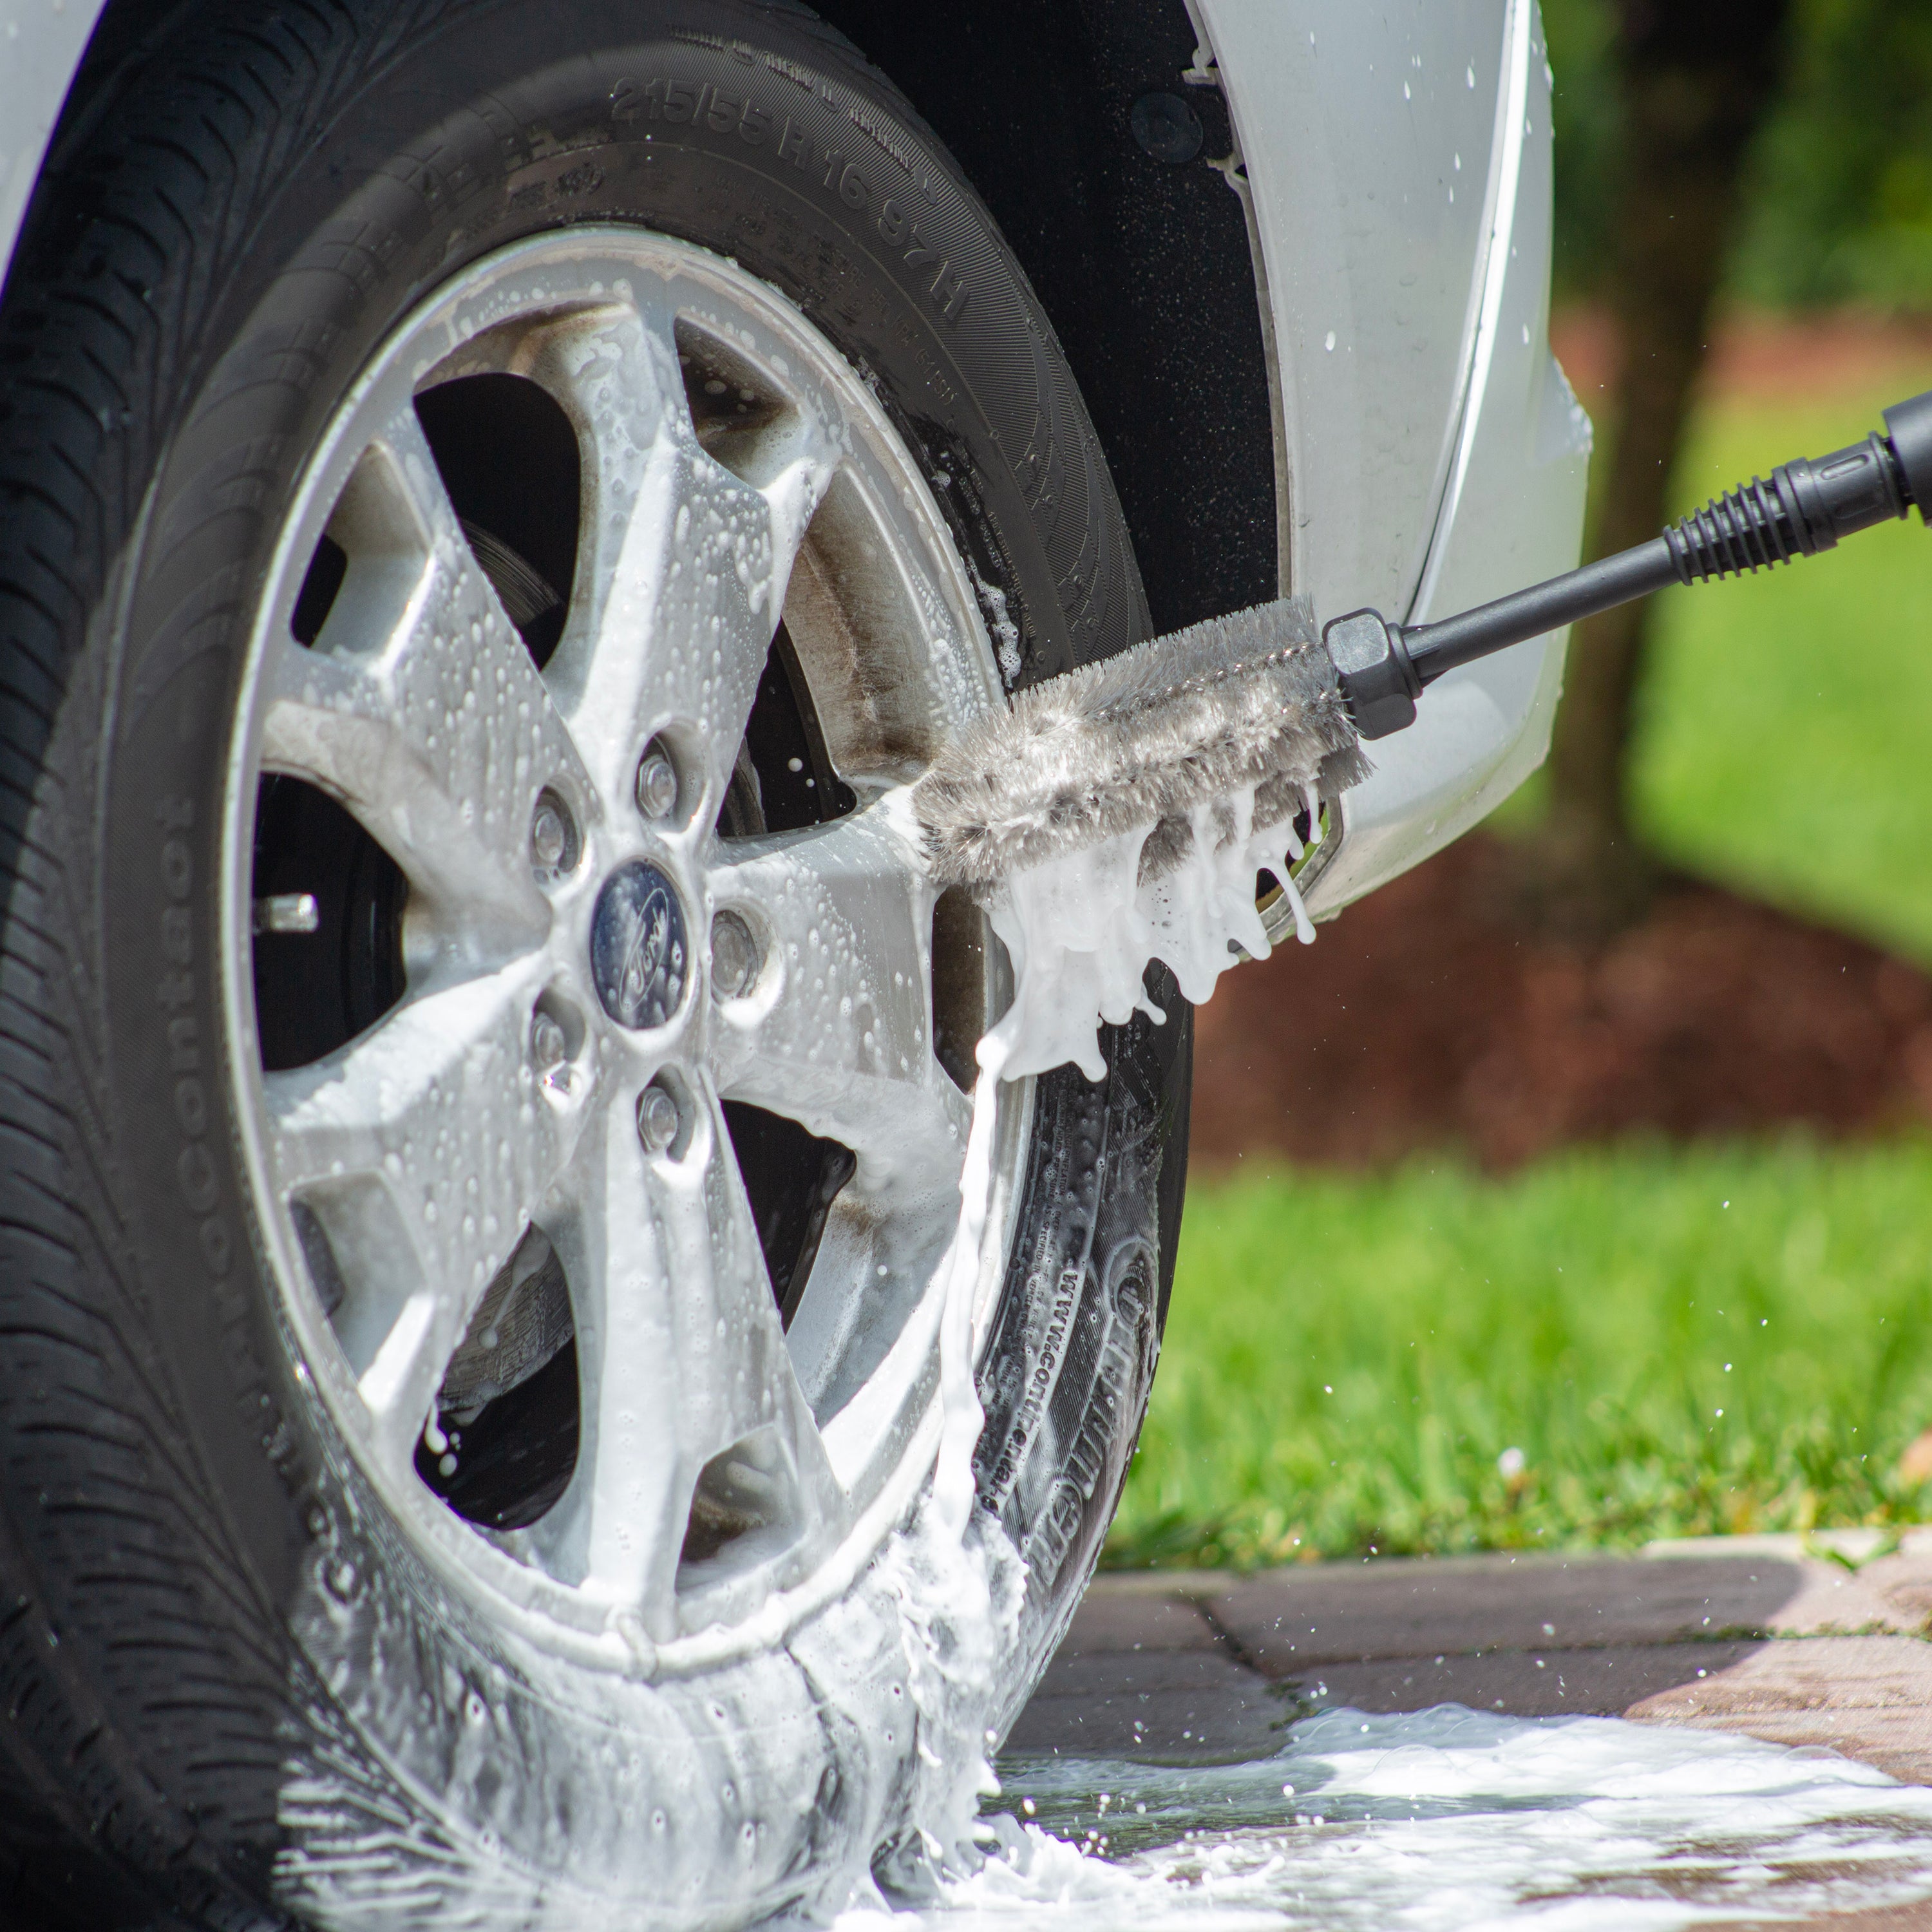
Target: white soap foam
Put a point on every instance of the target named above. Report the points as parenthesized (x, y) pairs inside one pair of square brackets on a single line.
[(1082, 929), (1446, 1821)]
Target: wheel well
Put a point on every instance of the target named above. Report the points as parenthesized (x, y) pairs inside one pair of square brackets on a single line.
[(1144, 265)]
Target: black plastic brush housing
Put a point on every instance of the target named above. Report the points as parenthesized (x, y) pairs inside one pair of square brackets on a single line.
[(1805, 506)]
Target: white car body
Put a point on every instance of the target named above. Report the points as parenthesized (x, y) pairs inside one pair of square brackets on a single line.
[(1398, 159), (1395, 161)]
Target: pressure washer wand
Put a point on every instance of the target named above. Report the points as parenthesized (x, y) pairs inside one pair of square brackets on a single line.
[(1258, 702), (1805, 507)]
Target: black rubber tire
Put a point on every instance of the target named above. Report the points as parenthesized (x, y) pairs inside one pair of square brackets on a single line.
[(228, 1685)]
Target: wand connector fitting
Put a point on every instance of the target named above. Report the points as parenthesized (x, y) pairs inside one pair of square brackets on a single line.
[(1371, 665)]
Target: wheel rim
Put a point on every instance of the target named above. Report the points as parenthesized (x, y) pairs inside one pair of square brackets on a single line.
[(539, 946)]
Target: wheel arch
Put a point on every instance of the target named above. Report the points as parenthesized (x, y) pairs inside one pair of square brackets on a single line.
[(1144, 266)]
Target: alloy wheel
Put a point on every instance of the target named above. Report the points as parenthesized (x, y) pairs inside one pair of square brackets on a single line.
[(603, 1052)]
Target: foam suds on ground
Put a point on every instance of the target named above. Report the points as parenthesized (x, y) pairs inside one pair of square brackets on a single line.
[(1448, 1819)]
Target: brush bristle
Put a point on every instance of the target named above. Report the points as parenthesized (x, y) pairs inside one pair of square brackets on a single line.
[(1140, 739)]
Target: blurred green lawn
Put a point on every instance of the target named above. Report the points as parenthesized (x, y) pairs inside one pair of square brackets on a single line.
[(1347, 1356), (1786, 745)]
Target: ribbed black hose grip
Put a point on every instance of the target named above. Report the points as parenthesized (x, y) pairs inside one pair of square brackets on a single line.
[(1743, 529), (1806, 507)]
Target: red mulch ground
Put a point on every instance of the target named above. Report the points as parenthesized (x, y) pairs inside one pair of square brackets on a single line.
[(1756, 355), (1427, 1015)]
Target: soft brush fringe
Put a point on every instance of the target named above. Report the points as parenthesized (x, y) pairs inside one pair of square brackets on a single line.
[(1140, 739)]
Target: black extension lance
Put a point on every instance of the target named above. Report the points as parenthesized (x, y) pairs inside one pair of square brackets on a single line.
[(1257, 702), (1806, 506)]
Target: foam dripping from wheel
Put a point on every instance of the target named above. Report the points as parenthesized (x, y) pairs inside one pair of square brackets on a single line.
[(1081, 929)]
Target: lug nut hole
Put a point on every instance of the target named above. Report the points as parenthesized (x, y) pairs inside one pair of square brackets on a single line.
[(549, 1047), (735, 956), (556, 845), (660, 1119)]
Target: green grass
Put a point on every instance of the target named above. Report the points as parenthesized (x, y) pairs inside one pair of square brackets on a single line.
[(1347, 1356), (1787, 745)]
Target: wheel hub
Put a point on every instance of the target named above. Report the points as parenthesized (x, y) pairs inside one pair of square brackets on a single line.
[(640, 948)]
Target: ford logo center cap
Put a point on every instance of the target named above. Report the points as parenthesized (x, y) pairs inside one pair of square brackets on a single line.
[(640, 954)]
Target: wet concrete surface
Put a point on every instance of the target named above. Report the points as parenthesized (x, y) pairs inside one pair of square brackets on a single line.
[(1772, 1636)]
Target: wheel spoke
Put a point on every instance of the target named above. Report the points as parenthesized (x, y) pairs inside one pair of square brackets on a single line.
[(681, 1356), (423, 1149), (683, 565), (844, 1044), (419, 706)]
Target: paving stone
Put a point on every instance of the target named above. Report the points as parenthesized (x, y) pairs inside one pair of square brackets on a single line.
[(1112, 1618), (1868, 1696), (1900, 1586), (1285, 1621), (1145, 1675), (1157, 1668), (1877, 1918), (1074, 1673), (1525, 1684), (1230, 1720), (1177, 1665), (1880, 1593)]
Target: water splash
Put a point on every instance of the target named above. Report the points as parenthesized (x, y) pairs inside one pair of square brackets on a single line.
[(1443, 1821), (1080, 931)]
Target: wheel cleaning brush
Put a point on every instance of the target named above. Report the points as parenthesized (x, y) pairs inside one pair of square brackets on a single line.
[(1141, 740), (1259, 701)]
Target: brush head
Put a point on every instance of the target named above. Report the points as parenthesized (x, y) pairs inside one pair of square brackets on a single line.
[(1140, 739)]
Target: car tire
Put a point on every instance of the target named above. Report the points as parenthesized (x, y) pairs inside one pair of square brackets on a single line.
[(243, 1685)]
